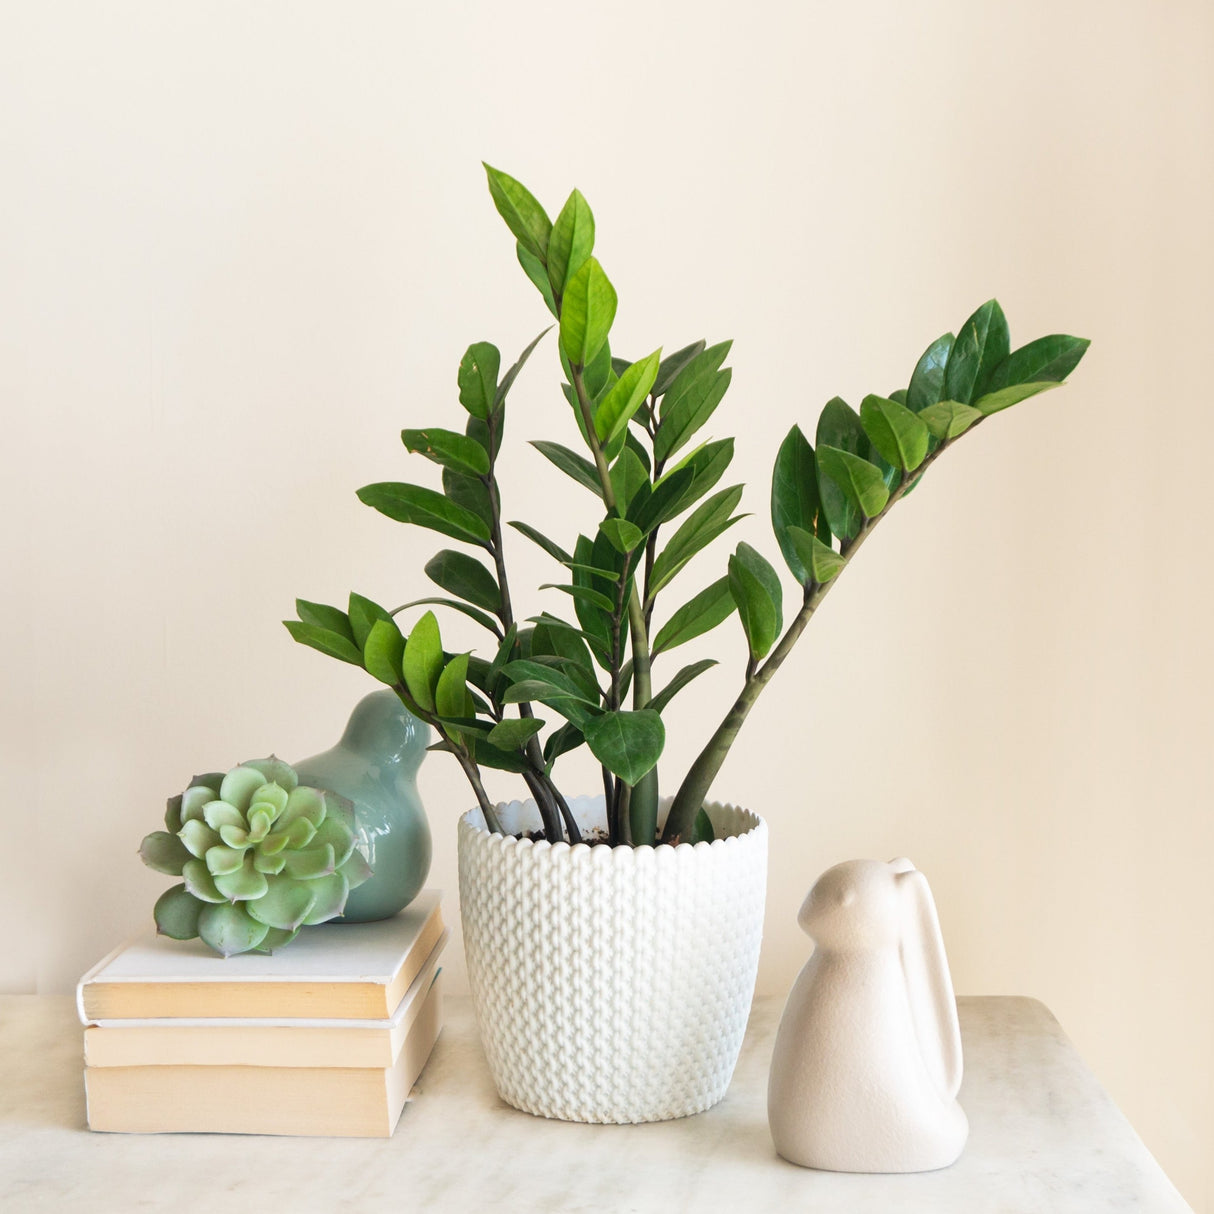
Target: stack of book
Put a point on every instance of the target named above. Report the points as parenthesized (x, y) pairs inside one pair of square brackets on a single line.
[(325, 1037)]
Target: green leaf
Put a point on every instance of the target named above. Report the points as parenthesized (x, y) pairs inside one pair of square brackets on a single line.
[(701, 831), (422, 662), (470, 492), (897, 433), (628, 744), (981, 345), (534, 268), (527, 677), (363, 614), (523, 214), (708, 463), (451, 693), (625, 398), (927, 382), (331, 619), (794, 497), (472, 613), (587, 312), (597, 378), (571, 464), (478, 381), (839, 426), (820, 561), (384, 652), (571, 241), (425, 508), (465, 577), (949, 419), (1046, 360), (229, 929), (164, 852), (514, 733), (707, 521), (556, 638), (584, 594), (176, 913), (330, 893), (1004, 398), (245, 884), (285, 904), (705, 611), (690, 400), (551, 547), (310, 862), (624, 536), (680, 681), (755, 587), (628, 474), (563, 740), (508, 379), (332, 643), (672, 364), (861, 481), (455, 451)]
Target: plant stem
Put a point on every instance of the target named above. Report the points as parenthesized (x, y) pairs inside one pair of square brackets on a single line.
[(694, 790)]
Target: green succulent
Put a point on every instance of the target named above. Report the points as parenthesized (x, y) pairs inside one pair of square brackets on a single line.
[(260, 854)]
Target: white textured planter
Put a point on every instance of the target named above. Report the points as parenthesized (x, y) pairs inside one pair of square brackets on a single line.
[(611, 984)]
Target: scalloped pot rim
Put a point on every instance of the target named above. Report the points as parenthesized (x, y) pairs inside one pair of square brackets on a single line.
[(473, 823)]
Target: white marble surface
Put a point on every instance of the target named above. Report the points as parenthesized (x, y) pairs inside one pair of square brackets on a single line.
[(1044, 1137)]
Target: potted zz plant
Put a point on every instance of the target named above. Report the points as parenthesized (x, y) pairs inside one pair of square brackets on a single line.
[(612, 983)]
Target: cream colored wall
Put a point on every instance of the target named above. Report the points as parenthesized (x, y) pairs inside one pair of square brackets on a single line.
[(242, 245)]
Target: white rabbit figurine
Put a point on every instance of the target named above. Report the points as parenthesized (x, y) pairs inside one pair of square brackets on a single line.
[(867, 1061)]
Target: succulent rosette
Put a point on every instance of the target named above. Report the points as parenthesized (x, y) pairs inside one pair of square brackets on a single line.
[(260, 856)]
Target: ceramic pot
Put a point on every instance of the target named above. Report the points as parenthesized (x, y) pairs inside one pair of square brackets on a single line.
[(375, 766), (611, 984)]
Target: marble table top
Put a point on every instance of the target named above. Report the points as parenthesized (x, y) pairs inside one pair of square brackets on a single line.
[(1044, 1137)]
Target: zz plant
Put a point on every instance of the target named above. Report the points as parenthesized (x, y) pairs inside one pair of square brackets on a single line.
[(553, 682)]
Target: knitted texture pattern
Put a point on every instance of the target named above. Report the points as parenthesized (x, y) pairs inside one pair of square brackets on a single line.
[(612, 984)]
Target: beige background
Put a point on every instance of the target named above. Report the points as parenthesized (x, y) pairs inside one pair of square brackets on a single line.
[(242, 245)]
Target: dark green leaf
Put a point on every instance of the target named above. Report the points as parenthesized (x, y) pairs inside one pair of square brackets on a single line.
[(820, 561), (949, 418), (488, 755), (839, 426), (514, 733), (472, 613), (478, 379), (582, 593), (571, 241), (625, 398), (755, 587), (690, 400), (425, 508), (587, 312), (165, 853), (627, 743), (861, 481), (700, 528), (423, 661), (651, 508), (1046, 360), (523, 214), (533, 267), (1004, 398), (384, 651), (624, 536), (628, 474), (897, 433), (701, 614), (981, 345), (598, 375), (363, 614), (701, 831), (451, 691), (708, 463), (927, 382), (332, 643), (679, 681), (465, 577), (452, 450), (176, 913), (554, 638), (565, 739), (508, 379), (571, 464), (898, 396), (331, 619), (469, 492), (672, 364), (794, 497), (552, 548)]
